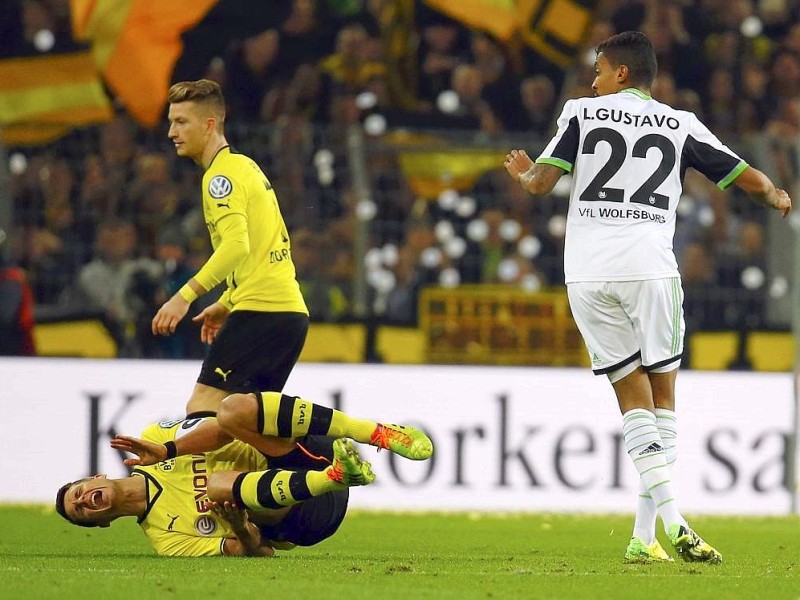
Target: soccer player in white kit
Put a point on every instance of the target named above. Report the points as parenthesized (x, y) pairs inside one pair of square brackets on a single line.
[(628, 153)]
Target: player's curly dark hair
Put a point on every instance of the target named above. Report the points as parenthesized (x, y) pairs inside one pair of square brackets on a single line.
[(634, 50), (61, 509)]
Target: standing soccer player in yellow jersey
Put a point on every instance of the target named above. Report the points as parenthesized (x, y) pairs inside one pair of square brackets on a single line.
[(263, 312)]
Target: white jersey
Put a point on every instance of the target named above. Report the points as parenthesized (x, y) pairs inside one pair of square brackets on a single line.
[(628, 154)]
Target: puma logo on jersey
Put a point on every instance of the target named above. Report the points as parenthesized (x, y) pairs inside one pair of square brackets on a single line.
[(224, 204), (223, 374), (172, 521)]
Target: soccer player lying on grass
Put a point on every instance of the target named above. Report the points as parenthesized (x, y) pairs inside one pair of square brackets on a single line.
[(270, 471)]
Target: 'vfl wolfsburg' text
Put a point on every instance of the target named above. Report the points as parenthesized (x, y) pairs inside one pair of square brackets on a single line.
[(620, 213)]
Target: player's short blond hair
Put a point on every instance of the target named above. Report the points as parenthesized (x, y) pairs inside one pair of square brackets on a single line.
[(203, 91)]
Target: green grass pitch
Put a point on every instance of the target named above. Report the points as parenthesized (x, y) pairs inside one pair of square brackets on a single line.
[(403, 555)]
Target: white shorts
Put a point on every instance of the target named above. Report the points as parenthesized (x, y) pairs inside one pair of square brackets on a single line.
[(625, 324)]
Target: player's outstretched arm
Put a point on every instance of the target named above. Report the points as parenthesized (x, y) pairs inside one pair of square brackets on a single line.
[(536, 179), (147, 453), (761, 189), (205, 437)]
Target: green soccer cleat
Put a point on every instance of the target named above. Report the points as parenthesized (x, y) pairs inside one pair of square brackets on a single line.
[(408, 442), (348, 468), (639, 552), (691, 547)]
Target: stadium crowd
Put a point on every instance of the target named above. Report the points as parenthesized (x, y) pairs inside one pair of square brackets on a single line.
[(107, 219)]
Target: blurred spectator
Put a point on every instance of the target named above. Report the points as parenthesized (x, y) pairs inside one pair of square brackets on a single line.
[(720, 109), (313, 257), (353, 63), (418, 264), (392, 196), (108, 174), (304, 97), (500, 85), (16, 309), (785, 75), (117, 283), (742, 270), (781, 135), (172, 252), (703, 302), (402, 301), (674, 28), (443, 46), (306, 36), (249, 68), (754, 100), (467, 83), (155, 196), (538, 95), (50, 242)]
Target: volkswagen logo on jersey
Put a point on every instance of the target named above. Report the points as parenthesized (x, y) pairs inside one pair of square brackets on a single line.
[(205, 525), (220, 186)]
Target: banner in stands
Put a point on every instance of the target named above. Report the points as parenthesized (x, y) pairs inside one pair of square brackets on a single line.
[(510, 439)]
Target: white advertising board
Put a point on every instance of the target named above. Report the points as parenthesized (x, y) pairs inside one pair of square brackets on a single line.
[(515, 439)]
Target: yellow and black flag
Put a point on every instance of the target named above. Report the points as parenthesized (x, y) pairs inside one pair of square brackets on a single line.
[(136, 44), (42, 97), (497, 17), (554, 29)]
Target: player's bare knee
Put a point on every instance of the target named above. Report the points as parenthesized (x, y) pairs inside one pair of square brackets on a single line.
[(235, 412), (220, 485)]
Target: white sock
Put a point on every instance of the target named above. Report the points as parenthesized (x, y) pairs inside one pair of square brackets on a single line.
[(646, 449), (667, 424), (644, 526)]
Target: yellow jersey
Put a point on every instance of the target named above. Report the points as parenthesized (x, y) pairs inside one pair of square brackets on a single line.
[(176, 521), (252, 250)]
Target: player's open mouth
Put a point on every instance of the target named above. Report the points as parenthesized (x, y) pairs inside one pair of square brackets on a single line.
[(96, 499)]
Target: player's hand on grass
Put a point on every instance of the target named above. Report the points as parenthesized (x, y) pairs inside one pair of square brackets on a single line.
[(235, 516), (212, 319), (148, 453), (247, 534), (169, 315)]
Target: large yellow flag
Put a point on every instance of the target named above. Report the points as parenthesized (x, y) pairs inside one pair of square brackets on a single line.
[(498, 17), (555, 29), (42, 97), (136, 44)]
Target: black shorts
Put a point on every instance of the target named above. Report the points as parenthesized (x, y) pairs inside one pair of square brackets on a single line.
[(318, 518), (310, 522), (255, 351)]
